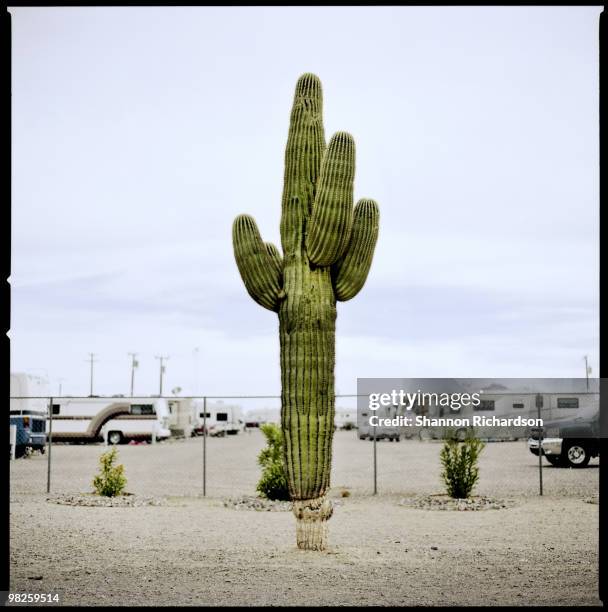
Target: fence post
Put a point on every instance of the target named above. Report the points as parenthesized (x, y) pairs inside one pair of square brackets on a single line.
[(50, 447), (13, 441), (375, 465), (539, 403), (204, 446)]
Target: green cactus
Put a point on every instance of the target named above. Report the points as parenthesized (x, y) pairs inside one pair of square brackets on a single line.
[(327, 253)]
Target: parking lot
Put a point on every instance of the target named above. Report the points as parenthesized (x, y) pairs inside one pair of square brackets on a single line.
[(193, 550)]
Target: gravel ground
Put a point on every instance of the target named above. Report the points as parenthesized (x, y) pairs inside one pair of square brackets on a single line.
[(192, 550)]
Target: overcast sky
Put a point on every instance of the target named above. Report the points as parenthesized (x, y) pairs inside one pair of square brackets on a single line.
[(139, 134)]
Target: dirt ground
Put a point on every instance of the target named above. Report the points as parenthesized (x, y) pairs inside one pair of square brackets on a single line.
[(195, 551)]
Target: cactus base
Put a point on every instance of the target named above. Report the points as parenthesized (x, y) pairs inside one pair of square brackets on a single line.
[(311, 527)]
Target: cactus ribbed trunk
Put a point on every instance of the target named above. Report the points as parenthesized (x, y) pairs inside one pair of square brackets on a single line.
[(327, 252), (307, 336)]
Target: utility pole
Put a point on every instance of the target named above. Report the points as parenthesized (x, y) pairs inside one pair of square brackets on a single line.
[(134, 364), (162, 371), (196, 370), (587, 370), (92, 360)]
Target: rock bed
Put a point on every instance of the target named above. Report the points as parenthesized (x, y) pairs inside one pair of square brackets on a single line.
[(444, 502), (594, 499), (120, 501), (261, 504)]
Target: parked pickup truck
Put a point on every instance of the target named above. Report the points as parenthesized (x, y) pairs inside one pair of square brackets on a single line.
[(567, 443)]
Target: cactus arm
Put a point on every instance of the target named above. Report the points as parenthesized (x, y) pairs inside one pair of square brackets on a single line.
[(303, 154), (350, 272), (275, 258), (258, 270), (331, 221)]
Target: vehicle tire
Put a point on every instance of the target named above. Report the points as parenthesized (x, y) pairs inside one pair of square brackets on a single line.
[(554, 460), (576, 454), (42, 450), (114, 437), (362, 437)]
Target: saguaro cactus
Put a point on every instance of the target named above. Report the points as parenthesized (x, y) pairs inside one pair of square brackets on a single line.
[(327, 251)]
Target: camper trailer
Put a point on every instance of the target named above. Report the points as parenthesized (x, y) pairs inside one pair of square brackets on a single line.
[(505, 409), (382, 432), (505, 405), (221, 419), (120, 419), (345, 418), (28, 412)]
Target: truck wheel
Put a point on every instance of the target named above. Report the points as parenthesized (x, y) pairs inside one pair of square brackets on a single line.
[(576, 455), (362, 437), (554, 460), (114, 437)]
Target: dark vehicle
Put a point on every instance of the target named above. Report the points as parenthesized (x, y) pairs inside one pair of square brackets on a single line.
[(567, 443), (31, 431)]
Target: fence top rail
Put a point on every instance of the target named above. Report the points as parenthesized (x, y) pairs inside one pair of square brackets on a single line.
[(170, 397), (174, 397)]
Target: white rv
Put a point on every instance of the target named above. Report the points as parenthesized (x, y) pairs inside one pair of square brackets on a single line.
[(382, 432), (122, 419), (505, 405), (345, 418), (221, 419)]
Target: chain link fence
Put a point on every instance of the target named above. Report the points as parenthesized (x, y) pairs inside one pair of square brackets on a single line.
[(208, 446)]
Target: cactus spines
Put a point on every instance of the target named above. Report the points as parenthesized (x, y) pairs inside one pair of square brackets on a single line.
[(331, 220), (350, 272), (257, 262), (327, 253)]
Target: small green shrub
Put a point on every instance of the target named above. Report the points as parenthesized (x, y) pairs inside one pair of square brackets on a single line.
[(111, 479), (273, 483), (459, 459)]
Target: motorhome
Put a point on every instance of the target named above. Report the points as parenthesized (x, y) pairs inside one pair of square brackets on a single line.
[(28, 411), (119, 419), (221, 419)]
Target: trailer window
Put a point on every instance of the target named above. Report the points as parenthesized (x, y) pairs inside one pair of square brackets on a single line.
[(485, 405), (518, 405), (202, 415), (567, 402), (56, 408), (142, 409), (222, 416)]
